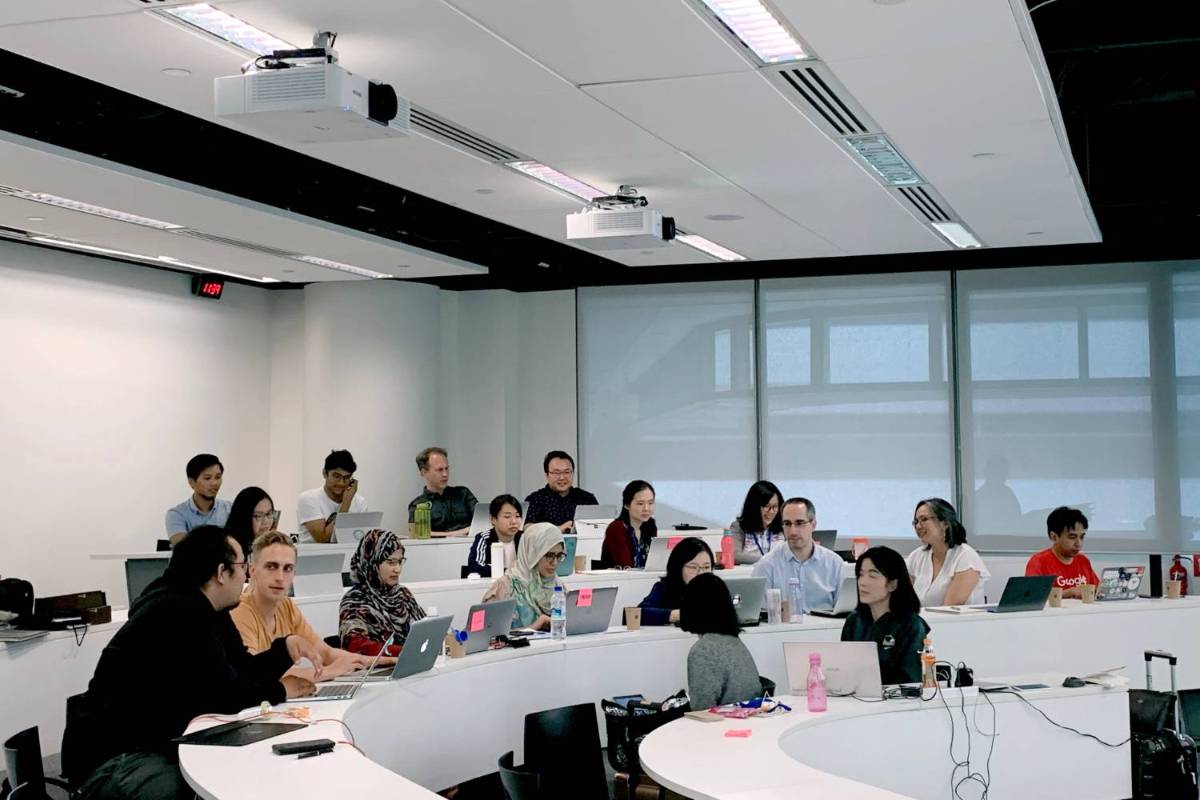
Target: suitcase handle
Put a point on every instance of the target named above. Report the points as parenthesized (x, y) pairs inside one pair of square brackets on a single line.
[(1170, 658)]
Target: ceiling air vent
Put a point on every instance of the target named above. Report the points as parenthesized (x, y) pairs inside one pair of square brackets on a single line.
[(160, 3), (925, 202), (460, 138), (812, 88), (225, 240)]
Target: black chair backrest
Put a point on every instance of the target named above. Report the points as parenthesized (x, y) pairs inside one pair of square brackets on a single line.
[(23, 761), (519, 783), (465, 571), (563, 746)]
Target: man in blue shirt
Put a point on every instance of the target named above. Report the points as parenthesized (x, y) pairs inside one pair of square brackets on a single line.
[(204, 473), (818, 569)]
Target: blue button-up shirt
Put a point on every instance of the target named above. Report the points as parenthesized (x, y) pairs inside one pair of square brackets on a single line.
[(820, 576), (185, 516)]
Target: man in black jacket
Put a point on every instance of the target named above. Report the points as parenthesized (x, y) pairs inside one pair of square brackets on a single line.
[(178, 656)]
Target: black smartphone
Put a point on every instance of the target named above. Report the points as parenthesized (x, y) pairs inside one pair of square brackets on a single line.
[(307, 746)]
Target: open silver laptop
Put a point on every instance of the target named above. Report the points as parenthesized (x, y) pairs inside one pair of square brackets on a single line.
[(481, 520), (350, 527), (600, 513), (590, 610), (657, 555), (847, 600), (486, 621), (851, 668), (341, 691), (749, 597), (1120, 583), (827, 539), (421, 649)]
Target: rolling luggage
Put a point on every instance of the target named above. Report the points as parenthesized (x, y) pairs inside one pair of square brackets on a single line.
[(1164, 758)]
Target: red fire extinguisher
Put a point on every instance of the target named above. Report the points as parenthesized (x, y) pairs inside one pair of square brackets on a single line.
[(1178, 572)]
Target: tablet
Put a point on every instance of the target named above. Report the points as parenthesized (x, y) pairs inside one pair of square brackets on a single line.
[(236, 734)]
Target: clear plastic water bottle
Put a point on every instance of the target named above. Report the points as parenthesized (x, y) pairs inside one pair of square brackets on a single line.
[(795, 604), (558, 614), (818, 700)]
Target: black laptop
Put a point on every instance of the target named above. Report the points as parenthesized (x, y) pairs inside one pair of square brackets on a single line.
[(1027, 593)]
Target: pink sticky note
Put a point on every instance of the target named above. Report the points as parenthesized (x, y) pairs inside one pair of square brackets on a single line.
[(476, 621), (672, 541), (584, 599), (737, 733)]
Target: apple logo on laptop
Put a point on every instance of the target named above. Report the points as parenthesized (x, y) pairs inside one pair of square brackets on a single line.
[(424, 645), (737, 599)]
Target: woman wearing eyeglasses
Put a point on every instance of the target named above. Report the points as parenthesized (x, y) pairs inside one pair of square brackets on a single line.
[(532, 579), (689, 557), (945, 570), (251, 515), (760, 525), (376, 606)]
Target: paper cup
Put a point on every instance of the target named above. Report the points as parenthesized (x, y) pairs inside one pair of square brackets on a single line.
[(1174, 589), (633, 618), (1056, 597), (1088, 592), (580, 563)]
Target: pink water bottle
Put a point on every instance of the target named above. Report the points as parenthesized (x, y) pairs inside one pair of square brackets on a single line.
[(727, 550), (817, 699)]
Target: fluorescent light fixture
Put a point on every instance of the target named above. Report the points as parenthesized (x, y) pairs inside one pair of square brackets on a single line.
[(757, 28), (884, 160), (708, 246), (108, 251), (340, 267), (559, 180), (958, 234), (88, 208), (227, 28)]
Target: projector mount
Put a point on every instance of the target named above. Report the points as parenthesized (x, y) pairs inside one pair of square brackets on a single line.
[(321, 52), (626, 197)]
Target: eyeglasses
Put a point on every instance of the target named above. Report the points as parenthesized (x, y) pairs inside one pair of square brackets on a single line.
[(561, 473), (259, 516), (231, 564), (772, 507), (803, 523), (395, 562), (919, 521), (697, 568), (555, 558)]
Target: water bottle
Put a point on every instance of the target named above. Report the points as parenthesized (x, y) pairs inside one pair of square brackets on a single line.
[(558, 614), (795, 605), (727, 550), (818, 700), (928, 665)]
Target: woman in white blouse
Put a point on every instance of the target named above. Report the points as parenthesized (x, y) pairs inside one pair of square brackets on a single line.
[(945, 570)]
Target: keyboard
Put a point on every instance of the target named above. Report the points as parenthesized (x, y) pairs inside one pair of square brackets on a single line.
[(336, 691)]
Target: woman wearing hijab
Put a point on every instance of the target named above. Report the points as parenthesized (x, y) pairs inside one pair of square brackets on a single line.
[(532, 579), (376, 606)]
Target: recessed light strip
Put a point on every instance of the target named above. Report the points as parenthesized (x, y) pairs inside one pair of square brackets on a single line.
[(759, 29), (340, 267), (709, 247), (166, 260), (559, 180), (957, 234), (88, 208), (227, 28)]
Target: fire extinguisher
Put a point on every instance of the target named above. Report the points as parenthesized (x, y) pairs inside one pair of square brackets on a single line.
[(1178, 572)]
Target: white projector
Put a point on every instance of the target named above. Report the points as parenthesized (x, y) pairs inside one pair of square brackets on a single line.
[(321, 103), (620, 228)]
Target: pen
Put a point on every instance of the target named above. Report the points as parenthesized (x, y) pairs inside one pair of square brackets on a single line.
[(312, 753)]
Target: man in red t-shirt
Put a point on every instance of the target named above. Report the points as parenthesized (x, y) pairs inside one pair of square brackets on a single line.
[(1064, 557)]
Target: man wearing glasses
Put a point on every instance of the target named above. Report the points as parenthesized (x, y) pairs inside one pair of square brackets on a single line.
[(556, 501), (317, 509), (818, 569)]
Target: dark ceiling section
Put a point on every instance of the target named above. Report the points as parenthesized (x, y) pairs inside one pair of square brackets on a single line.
[(1127, 82)]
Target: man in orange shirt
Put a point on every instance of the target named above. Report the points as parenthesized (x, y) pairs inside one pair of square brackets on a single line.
[(1064, 559)]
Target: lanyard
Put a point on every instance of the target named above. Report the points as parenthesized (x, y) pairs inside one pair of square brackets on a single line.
[(758, 544)]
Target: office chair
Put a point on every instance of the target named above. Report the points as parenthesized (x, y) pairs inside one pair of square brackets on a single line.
[(519, 783), (562, 746), (23, 760)]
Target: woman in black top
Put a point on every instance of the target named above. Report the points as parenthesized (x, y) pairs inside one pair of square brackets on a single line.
[(887, 615)]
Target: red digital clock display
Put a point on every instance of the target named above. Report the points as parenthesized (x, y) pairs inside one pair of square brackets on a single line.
[(207, 286)]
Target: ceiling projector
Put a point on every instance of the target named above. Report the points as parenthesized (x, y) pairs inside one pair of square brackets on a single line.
[(623, 221), (304, 96)]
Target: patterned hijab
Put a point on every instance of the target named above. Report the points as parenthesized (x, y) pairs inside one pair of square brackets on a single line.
[(370, 607), (532, 591)]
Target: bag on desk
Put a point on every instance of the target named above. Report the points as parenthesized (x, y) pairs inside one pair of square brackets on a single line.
[(16, 599)]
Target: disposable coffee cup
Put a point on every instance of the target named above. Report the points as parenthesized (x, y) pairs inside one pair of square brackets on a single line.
[(633, 618), (1056, 597), (774, 606), (580, 563), (1174, 589), (1088, 592)]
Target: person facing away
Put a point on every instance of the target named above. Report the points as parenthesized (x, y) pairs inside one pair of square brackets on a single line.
[(450, 507), (759, 527), (945, 570), (251, 515), (178, 656), (204, 474), (556, 501), (818, 569), (265, 612), (887, 614), (376, 609), (720, 669), (317, 509), (505, 511), (1064, 558), (532, 579), (689, 558), (627, 538)]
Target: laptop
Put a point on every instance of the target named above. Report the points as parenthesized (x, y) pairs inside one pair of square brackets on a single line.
[(481, 519), (847, 601), (350, 527), (1120, 583), (567, 565), (1024, 593), (340, 691), (595, 613), (749, 597), (486, 621), (827, 539), (600, 513), (851, 668), (421, 649), (659, 552)]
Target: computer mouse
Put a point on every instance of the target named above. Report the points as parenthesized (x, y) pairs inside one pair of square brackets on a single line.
[(1073, 683)]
